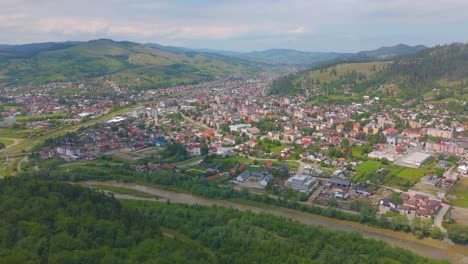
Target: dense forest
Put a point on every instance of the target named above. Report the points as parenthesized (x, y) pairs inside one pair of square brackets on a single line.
[(51, 222), (418, 73), (414, 74), (198, 185)]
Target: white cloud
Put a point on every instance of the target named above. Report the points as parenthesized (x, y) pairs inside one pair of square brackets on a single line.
[(297, 30), (253, 24)]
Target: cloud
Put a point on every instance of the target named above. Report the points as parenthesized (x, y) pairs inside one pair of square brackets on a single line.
[(241, 24), (297, 30)]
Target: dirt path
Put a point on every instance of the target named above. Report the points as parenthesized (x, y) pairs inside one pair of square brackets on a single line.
[(426, 247), (15, 142)]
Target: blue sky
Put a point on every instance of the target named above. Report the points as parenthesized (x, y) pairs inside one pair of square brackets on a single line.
[(332, 25)]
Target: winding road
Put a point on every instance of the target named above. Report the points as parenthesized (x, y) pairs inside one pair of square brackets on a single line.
[(15, 142)]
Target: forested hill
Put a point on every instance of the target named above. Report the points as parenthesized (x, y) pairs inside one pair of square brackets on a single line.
[(120, 61), (51, 222), (431, 68), (412, 75)]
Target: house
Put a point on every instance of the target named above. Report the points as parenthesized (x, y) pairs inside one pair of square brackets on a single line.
[(257, 175), (230, 139), (341, 173), (222, 151), (284, 167), (238, 127), (68, 151), (387, 204), (356, 127), (274, 134), (340, 194), (430, 180), (439, 133), (243, 176), (252, 131), (445, 147), (390, 131), (339, 183), (463, 169), (415, 159), (360, 189), (339, 128), (267, 180), (442, 164), (301, 183)]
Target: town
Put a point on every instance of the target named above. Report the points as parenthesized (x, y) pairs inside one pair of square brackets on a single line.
[(398, 160)]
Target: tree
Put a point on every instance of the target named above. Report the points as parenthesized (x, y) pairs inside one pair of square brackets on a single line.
[(399, 222), (436, 233), (365, 213), (204, 149), (333, 202), (439, 172), (458, 234)]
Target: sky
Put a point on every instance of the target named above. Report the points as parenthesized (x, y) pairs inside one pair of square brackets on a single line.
[(239, 25)]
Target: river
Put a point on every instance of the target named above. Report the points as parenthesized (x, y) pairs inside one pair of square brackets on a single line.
[(425, 247)]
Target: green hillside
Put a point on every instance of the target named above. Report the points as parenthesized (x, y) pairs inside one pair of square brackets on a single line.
[(367, 69), (122, 61), (328, 76), (51, 222), (411, 76)]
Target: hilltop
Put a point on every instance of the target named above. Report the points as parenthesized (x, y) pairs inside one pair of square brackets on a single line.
[(411, 76), (121, 61)]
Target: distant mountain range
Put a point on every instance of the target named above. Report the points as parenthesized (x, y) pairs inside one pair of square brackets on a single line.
[(154, 65), (296, 57)]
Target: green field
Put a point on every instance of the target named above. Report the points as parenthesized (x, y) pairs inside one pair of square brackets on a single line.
[(395, 176), (41, 117), (341, 69), (254, 168), (15, 133), (277, 149), (369, 166), (7, 142), (411, 174), (460, 190)]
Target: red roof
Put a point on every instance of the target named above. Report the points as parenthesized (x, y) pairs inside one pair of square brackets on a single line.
[(168, 166), (213, 177)]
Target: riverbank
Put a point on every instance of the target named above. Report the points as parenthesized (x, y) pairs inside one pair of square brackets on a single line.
[(425, 247)]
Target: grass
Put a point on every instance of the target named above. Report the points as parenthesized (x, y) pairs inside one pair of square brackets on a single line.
[(277, 149), (397, 177), (460, 190), (125, 191), (15, 133), (7, 142), (255, 168), (41, 117), (369, 166), (341, 69), (219, 180), (411, 174)]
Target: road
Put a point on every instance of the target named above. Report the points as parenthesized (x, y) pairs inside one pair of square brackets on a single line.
[(425, 247), (25, 159), (15, 142), (440, 217), (195, 122)]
